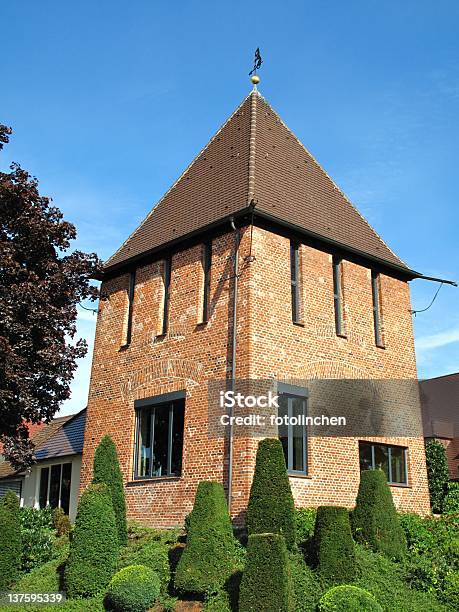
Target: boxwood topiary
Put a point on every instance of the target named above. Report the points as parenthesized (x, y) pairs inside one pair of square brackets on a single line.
[(10, 540), (107, 470), (153, 554), (134, 588), (94, 546), (266, 581), (334, 546), (271, 508), (210, 556), (346, 598), (374, 520)]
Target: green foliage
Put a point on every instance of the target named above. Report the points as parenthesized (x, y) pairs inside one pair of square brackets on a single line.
[(305, 520), (451, 590), (218, 602), (266, 581), (134, 588), (94, 546), (210, 556), (152, 553), (61, 522), (305, 583), (37, 537), (433, 544), (437, 474), (346, 598), (385, 580), (10, 540), (36, 518), (451, 501), (271, 508), (107, 470), (374, 520), (334, 546)]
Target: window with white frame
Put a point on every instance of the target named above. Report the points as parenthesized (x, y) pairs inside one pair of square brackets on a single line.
[(392, 460), (55, 483), (292, 405)]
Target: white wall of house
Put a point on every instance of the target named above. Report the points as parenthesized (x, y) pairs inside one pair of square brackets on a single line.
[(31, 485)]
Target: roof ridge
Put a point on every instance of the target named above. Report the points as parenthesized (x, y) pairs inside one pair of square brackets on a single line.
[(162, 198), (252, 145), (330, 178)]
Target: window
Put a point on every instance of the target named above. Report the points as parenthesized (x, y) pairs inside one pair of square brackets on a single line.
[(131, 289), (159, 436), (167, 283), (392, 460), (293, 437), (376, 308), (295, 281), (206, 265), (55, 482), (338, 295)]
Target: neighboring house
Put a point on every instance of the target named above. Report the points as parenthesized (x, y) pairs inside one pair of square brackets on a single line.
[(54, 479), (254, 265), (440, 415)]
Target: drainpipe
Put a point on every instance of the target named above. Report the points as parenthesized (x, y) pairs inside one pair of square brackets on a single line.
[(233, 358)]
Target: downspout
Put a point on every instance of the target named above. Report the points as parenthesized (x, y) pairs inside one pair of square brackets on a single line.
[(233, 359)]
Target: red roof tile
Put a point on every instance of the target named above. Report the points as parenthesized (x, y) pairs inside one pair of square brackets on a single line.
[(254, 155)]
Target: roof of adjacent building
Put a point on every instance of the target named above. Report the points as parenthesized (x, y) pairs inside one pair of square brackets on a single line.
[(255, 158), (61, 437), (440, 406)]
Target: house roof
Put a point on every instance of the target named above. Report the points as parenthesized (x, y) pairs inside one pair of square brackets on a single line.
[(440, 406), (61, 437), (255, 158)]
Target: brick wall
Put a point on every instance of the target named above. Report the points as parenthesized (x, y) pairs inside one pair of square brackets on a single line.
[(268, 345)]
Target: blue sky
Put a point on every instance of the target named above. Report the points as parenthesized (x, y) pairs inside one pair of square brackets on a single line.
[(110, 101)]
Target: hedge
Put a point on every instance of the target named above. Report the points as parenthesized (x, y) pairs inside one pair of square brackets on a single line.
[(437, 474), (210, 556), (334, 546), (61, 522), (266, 581), (10, 540), (271, 508), (374, 520), (346, 598), (107, 470), (94, 546), (451, 501), (134, 588)]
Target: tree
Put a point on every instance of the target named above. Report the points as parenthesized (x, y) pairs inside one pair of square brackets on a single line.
[(41, 284), (266, 581), (334, 545), (374, 520), (437, 474), (10, 540), (94, 548), (271, 508), (210, 555), (107, 470)]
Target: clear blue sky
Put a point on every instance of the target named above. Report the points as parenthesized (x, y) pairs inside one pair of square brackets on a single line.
[(110, 101)]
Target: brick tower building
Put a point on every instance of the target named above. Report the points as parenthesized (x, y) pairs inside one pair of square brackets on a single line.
[(254, 265)]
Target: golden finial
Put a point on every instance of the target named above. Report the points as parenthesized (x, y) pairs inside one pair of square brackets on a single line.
[(255, 79)]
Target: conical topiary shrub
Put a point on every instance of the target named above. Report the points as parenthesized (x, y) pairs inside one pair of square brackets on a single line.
[(209, 558), (266, 582), (10, 540), (107, 470), (334, 546), (94, 547), (374, 520), (271, 508)]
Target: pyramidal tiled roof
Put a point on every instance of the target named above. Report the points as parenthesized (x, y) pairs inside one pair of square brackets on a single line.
[(254, 156)]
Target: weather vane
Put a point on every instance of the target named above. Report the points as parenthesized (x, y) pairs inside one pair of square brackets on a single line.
[(257, 62)]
